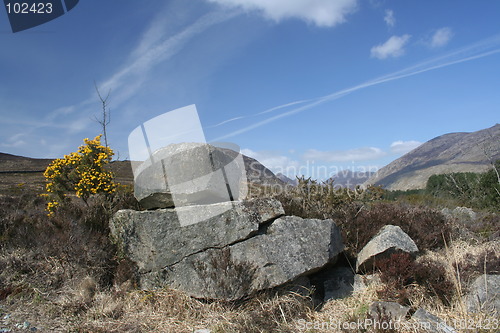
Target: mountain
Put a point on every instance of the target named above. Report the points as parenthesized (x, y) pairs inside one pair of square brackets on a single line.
[(256, 172), (286, 179), (350, 179), (453, 152), (10, 163)]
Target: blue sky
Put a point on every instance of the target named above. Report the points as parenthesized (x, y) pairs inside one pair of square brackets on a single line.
[(312, 85)]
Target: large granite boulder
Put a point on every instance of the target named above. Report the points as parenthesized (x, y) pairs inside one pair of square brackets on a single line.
[(246, 248), (282, 251), (189, 174), (390, 239), (160, 238)]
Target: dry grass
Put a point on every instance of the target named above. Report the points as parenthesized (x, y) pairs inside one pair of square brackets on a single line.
[(159, 311), (80, 305), (456, 255), (62, 275)]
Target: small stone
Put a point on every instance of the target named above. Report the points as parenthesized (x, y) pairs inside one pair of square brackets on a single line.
[(363, 282), (392, 311), (431, 323), (390, 239)]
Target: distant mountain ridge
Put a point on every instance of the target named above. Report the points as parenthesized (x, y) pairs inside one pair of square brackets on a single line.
[(10, 163), (351, 179), (286, 179), (453, 152)]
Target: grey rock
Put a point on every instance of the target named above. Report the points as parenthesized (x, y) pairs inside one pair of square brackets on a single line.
[(188, 174), (157, 239), (388, 240), (203, 331), (286, 249), (430, 323), (462, 214), (387, 311), (339, 283), (23, 326), (362, 282), (484, 294)]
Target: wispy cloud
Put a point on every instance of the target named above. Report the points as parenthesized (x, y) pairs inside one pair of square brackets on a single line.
[(155, 46), (351, 155), (14, 141), (393, 47), (284, 106), (323, 13), (475, 51), (389, 18), (441, 37), (403, 147)]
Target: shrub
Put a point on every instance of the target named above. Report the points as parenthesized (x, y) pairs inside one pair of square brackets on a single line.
[(47, 252), (462, 185), (397, 274), (473, 265), (431, 274), (400, 271), (82, 173), (427, 227), (314, 199), (479, 190), (490, 185)]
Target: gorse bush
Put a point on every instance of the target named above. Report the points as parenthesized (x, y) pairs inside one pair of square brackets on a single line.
[(82, 172)]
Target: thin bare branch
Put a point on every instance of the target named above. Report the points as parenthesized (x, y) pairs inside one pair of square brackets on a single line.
[(106, 114)]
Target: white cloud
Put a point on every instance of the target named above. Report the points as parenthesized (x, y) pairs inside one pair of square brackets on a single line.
[(389, 18), (403, 147), (323, 13), (357, 154), (441, 37), (273, 161), (393, 47)]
